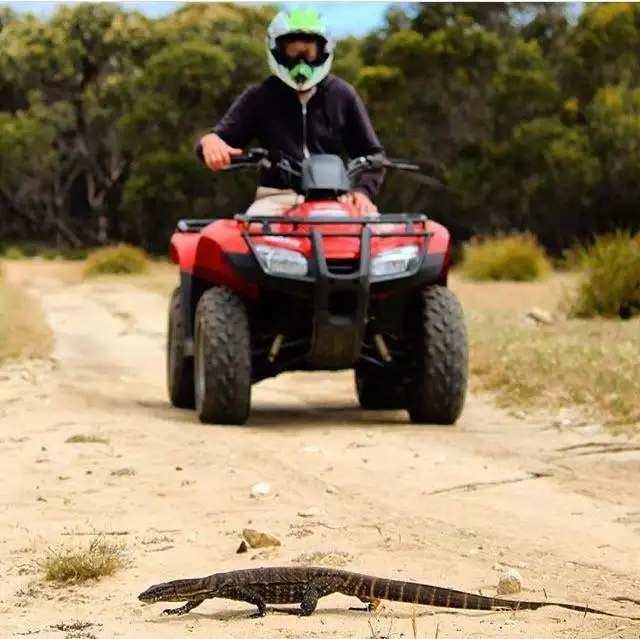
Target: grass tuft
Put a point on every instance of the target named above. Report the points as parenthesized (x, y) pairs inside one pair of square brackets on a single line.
[(576, 363), (119, 259), (86, 439), (516, 258), (610, 285), (24, 332), (101, 558)]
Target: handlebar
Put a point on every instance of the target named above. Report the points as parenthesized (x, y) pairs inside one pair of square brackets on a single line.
[(259, 157)]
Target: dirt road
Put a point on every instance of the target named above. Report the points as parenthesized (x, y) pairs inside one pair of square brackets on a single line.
[(398, 505)]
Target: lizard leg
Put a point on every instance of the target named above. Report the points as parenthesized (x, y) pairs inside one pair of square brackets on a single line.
[(183, 610), (314, 591), (372, 604), (309, 602), (251, 596)]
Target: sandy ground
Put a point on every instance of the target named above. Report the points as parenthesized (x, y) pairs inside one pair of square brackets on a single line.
[(401, 504)]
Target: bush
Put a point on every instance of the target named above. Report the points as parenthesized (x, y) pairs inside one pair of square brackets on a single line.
[(610, 284), (116, 260), (102, 558), (74, 254), (24, 332), (13, 253), (517, 258)]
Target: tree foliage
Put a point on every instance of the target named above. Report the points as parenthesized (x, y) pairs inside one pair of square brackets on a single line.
[(531, 111)]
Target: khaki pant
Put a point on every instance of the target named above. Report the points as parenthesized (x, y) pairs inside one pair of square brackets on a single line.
[(272, 202)]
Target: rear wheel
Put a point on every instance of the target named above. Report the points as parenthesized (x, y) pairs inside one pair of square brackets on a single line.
[(179, 366), (222, 345), (377, 389), (439, 360)]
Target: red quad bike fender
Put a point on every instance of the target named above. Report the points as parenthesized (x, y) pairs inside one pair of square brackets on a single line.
[(440, 244), (201, 254)]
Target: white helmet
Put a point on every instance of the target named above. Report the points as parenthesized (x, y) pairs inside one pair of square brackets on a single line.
[(299, 73)]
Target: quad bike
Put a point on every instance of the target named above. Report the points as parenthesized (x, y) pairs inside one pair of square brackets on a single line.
[(318, 288)]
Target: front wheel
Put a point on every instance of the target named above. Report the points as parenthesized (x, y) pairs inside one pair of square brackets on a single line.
[(179, 366), (439, 362), (222, 345)]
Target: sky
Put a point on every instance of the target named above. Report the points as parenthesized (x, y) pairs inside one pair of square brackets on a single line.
[(347, 18)]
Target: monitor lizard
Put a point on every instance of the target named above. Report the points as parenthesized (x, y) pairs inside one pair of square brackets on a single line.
[(305, 585)]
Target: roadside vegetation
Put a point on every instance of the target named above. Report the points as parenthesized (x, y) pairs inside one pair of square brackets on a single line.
[(580, 353), (120, 259), (24, 333), (516, 258), (591, 365), (610, 284), (80, 563)]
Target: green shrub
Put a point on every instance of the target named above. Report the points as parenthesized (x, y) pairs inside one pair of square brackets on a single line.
[(50, 254), (13, 253), (116, 260), (611, 276), (517, 258), (74, 254), (29, 250)]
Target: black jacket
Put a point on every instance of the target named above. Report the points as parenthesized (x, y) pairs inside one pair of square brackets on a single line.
[(336, 122)]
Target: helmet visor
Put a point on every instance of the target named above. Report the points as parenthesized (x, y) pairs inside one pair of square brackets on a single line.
[(300, 48)]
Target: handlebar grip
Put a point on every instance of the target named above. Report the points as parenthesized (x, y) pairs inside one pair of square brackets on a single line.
[(245, 158)]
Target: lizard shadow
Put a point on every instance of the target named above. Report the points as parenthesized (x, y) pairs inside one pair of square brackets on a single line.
[(244, 615)]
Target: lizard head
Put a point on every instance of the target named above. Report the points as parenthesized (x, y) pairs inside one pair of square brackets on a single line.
[(172, 591), (161, 592)]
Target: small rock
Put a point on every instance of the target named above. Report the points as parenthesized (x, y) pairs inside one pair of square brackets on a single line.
[(309, 512), (260, 490), (242, 547), (331, 490), (539, 315), (123, 472), (312, 449), (510, 582), (257, 539)]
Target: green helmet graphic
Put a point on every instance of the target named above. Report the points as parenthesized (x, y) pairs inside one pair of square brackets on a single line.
[(299, 72)]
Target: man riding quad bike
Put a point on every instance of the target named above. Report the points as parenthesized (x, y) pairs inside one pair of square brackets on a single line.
[(299, 110), (311, 277)]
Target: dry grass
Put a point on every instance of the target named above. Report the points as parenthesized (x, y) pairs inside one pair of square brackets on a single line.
[(516, 258), (588, 364), (161, 277), (86, 439), (610, 284), (24, 333), (101, 558), (119, 259)]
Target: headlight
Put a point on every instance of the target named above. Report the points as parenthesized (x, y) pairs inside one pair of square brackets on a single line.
[(281, 261), (395, 261)]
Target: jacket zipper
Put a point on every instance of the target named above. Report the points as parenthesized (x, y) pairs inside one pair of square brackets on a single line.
[(305, 149)]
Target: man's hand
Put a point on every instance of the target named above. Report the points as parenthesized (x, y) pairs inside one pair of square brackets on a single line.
[(216, 152), (363, 204)]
